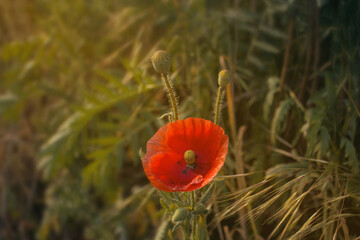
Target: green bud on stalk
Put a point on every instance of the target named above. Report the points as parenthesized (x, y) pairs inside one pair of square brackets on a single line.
[(161, 61), (180, 215), (224, 78), (200, 209)]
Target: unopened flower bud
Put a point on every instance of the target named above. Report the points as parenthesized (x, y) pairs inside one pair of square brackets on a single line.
[(224, 78), (200, 209), (161, 61), (180, 215)]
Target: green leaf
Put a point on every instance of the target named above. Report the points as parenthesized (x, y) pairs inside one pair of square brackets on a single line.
[(286, 169), (65, 138), (273, 83), (321, 3), (331, 95), (266, 47), (8, 98), (241, 16), (350, 154), (208, 194), (202, 232), (257, 62), (105, 141), (324, 139), (278, 121), (272, 32), (162, 230)]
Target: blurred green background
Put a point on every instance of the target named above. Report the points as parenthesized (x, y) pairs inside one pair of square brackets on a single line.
[(79, 98)]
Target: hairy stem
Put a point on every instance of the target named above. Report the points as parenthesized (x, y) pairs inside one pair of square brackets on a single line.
[(217, 106), (171, 95), (193, 229), (186, 230), (193, 221)]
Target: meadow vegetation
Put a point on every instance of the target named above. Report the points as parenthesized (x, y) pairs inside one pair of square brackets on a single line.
[(79, 98)]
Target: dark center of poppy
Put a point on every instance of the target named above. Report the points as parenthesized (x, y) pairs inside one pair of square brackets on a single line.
[(190, 157)]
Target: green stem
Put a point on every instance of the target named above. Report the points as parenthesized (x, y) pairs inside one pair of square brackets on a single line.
[(217, 107), (171, 95), (193, 229), (186, 231), (193, 222), (192, 200)]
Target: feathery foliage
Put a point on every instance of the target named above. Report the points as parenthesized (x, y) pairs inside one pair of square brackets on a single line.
[(79, 98)]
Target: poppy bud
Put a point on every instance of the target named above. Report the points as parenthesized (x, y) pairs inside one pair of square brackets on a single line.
[(180, 215), (190, 157), (200, 209), (176, 226), (224, 78), (161, 61)]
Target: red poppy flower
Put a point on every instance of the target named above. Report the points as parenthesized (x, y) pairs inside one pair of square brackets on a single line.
[(165, 164)]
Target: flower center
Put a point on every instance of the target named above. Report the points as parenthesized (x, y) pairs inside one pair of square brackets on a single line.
[(190, 157)]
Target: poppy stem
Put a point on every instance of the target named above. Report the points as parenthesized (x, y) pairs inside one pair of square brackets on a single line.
[(193, 228), (217, 107), (186, 230), (193, 220), (192, 203), (171, 93)]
